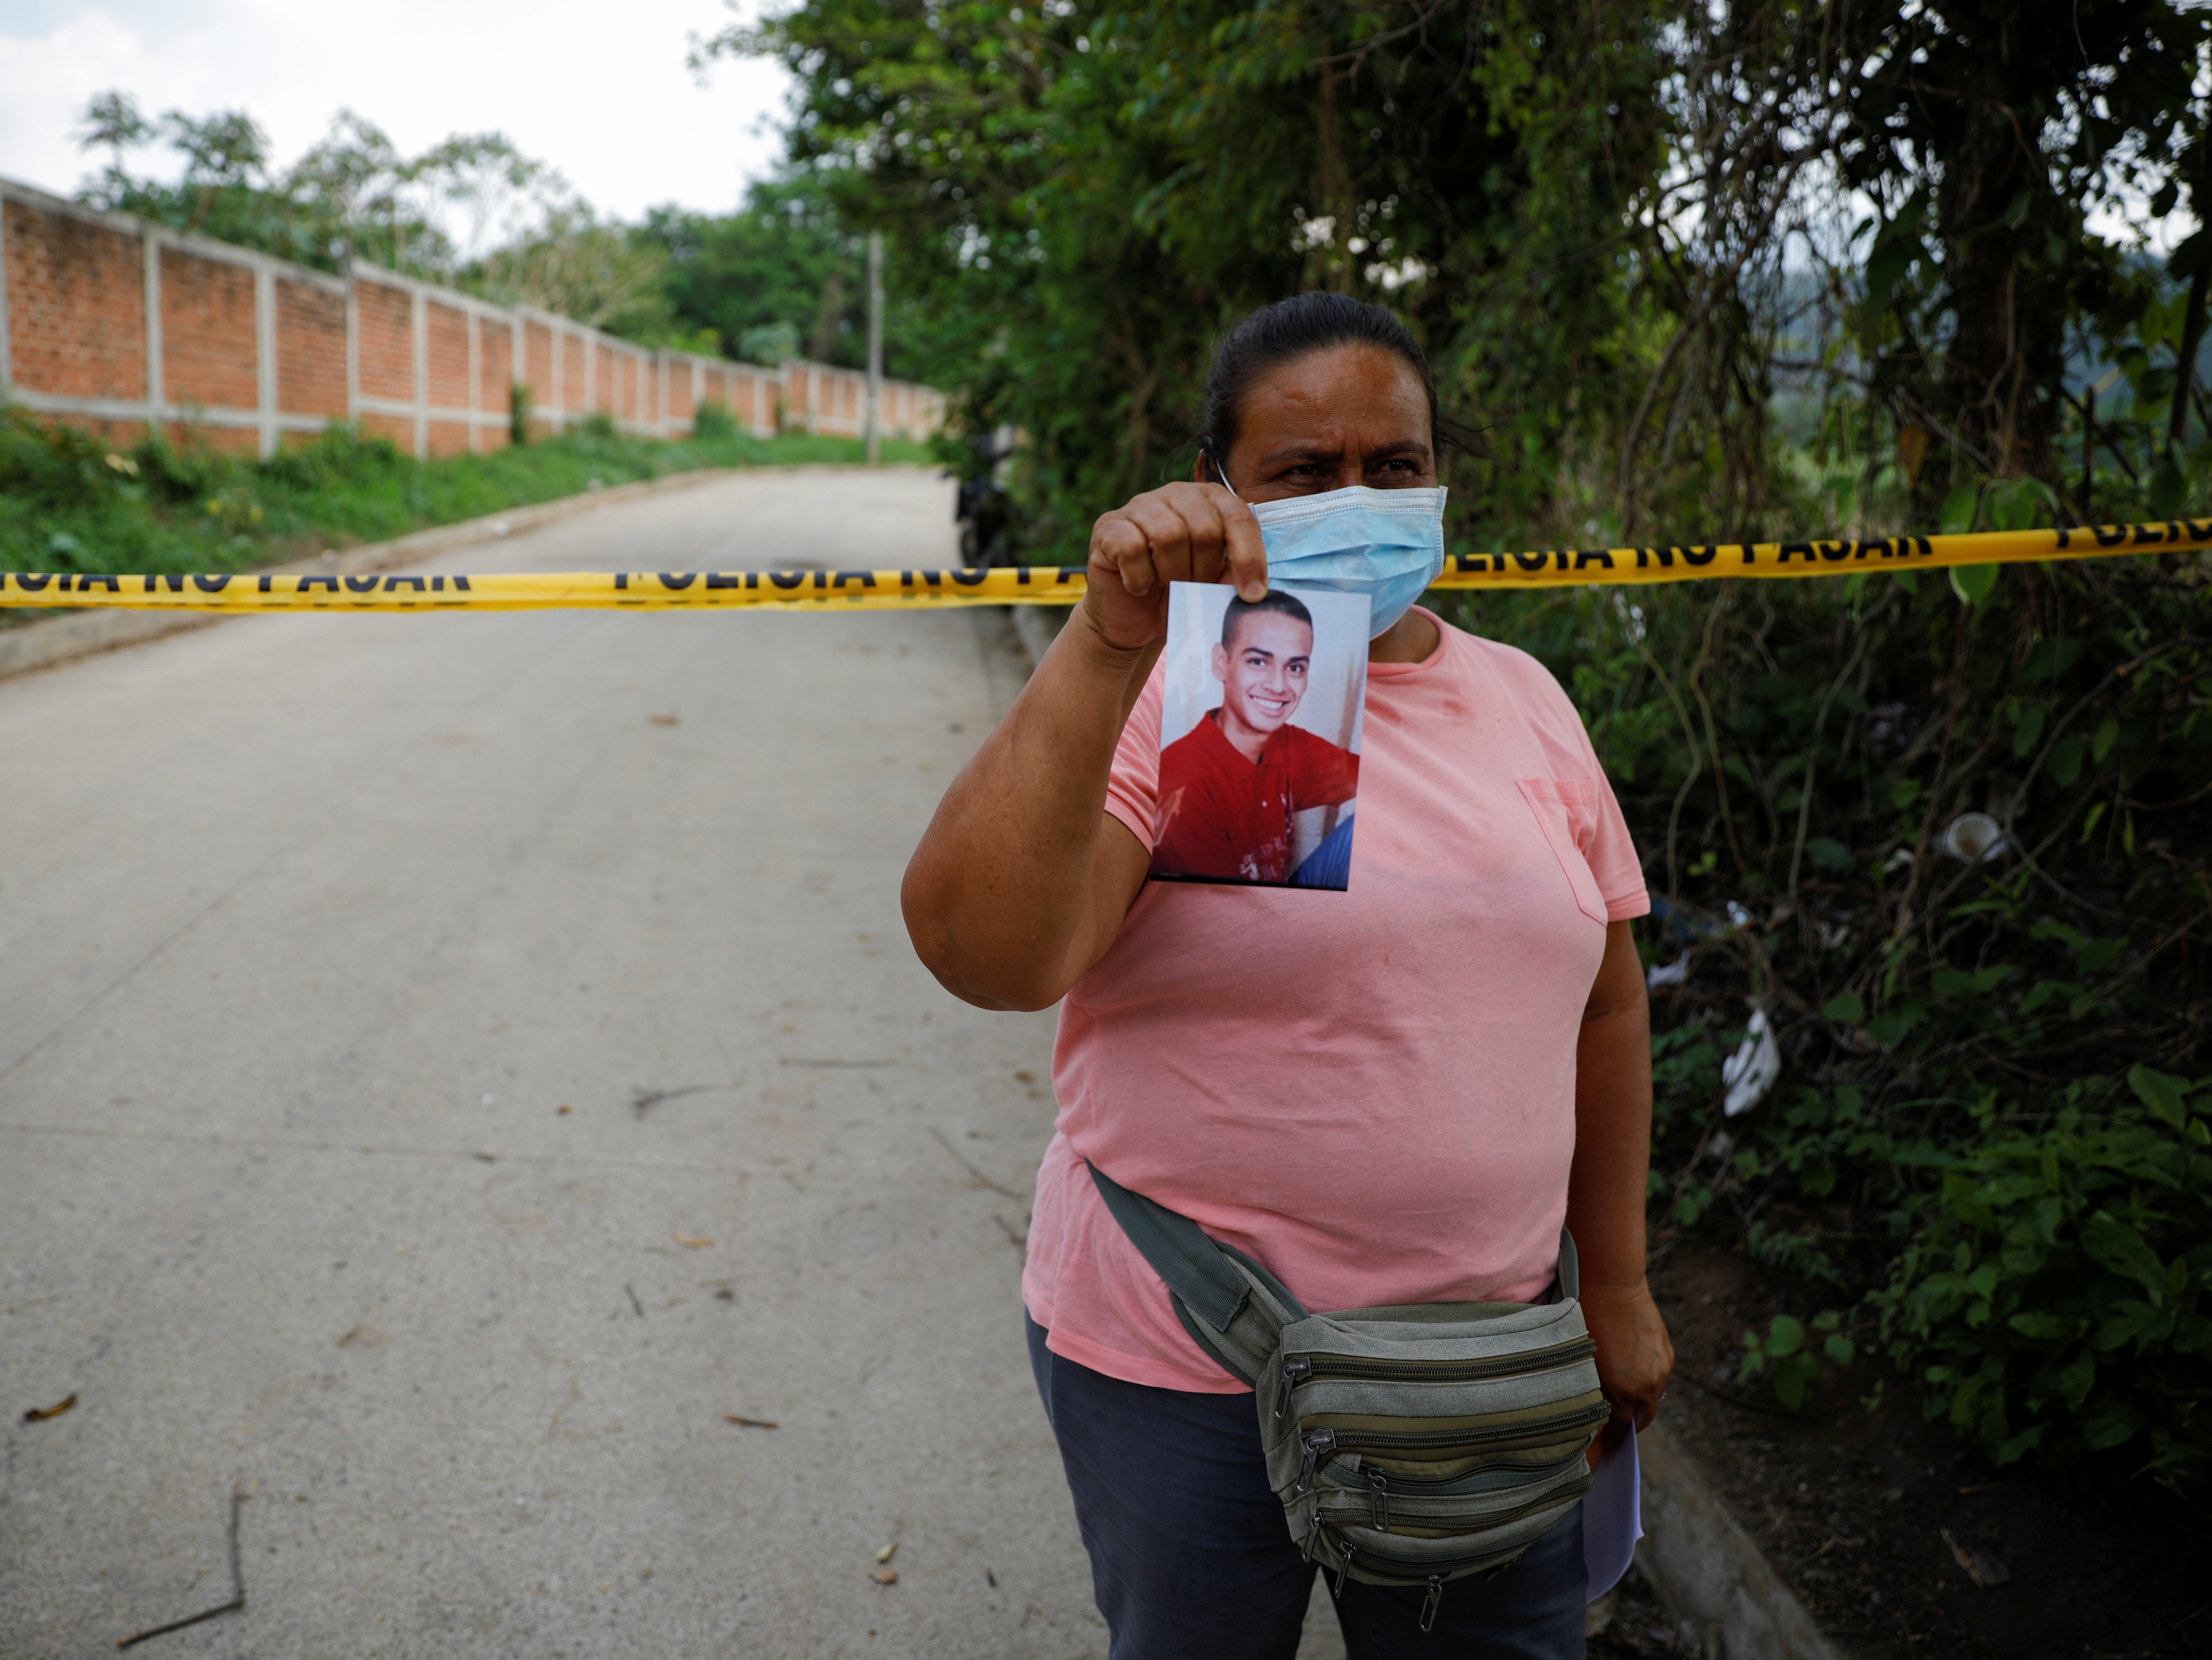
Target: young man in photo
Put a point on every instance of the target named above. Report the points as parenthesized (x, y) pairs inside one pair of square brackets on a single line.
[(1229, 786)]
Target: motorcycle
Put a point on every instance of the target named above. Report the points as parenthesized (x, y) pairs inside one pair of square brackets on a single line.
[(983, 509)]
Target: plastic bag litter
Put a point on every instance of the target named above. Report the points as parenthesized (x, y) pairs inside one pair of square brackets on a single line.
[(1752, 1069)]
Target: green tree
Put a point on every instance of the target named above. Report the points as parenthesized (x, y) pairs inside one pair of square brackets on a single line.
[(782, 276), (590, 270), (1082, 195), (2011, 154), (353, 195), (1990, 131), (113, 119)]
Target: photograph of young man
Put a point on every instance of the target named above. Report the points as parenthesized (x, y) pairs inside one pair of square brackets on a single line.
[(1229, 786)]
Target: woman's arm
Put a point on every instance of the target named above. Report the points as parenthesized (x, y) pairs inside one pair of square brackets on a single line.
[(1022, 880), (1607, 1187)]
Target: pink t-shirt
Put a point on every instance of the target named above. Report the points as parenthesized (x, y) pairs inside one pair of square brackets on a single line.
[(1371, 1092)]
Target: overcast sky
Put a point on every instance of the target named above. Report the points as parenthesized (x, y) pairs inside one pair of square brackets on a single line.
[(598, 88)]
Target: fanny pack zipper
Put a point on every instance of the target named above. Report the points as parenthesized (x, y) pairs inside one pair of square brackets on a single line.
[(1434, 1571), (1327, 1535), (1301, 1369), (1327, 1443), (1379, 1491), (1415, 1487)]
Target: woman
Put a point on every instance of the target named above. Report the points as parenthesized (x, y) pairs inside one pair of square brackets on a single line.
[(1395, 1094)]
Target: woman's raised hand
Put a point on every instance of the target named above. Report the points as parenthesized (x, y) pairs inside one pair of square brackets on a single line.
[(1181, 532), (1023, 880)]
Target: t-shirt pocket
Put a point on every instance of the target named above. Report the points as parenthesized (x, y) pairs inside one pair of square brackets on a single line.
[(1566, 808)]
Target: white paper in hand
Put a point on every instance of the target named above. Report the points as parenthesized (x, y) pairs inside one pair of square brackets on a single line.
[(1613, 1518)]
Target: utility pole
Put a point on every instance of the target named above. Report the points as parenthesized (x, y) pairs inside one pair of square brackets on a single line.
[(875, 346)]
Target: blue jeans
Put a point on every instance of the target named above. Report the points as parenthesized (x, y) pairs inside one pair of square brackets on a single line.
[(1191, 1559)]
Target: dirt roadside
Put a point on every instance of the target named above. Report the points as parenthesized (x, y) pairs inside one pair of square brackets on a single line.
[(1900, 1541)]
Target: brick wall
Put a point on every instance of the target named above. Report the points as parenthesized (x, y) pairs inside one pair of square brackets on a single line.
[(311, 349), (76, 298), (209, 351), (109, 320), (385, 342), (449, 355)]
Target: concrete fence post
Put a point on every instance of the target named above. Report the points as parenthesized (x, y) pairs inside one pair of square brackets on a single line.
[(418, 329), (157, 388), (476, 379), (353, 344), (264, 354)]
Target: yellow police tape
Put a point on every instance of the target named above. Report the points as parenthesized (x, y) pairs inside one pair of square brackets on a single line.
[(1047, 585)]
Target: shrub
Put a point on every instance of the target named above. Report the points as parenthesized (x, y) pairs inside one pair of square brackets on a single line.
[(2053, 1300), (53, 465), (1793, 1356), (1947, 1162), (342, 453), (187, 473), (712, 424)]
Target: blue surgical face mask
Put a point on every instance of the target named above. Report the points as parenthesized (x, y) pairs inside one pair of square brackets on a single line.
[(1387, 544)]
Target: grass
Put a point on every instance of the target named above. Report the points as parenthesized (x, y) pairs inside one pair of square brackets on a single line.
[(70, 502)]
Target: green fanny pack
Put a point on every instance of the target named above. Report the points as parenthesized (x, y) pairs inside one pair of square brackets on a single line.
[(1412, 1445)]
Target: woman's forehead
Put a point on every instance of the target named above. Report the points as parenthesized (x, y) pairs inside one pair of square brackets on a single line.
[(1329, 390)]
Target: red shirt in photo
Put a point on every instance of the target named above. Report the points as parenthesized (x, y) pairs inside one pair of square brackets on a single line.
[(1221, 815)]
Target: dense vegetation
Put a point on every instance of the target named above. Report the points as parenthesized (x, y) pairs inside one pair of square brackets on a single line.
[(1986, 1159), (1705, 272), (69, 501)]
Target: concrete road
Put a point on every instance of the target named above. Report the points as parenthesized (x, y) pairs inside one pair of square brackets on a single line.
[(450, 1067)]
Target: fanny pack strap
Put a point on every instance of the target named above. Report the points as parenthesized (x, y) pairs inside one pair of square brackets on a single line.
[(1234, 1308), (1180, 1252), (1567, 1279)]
